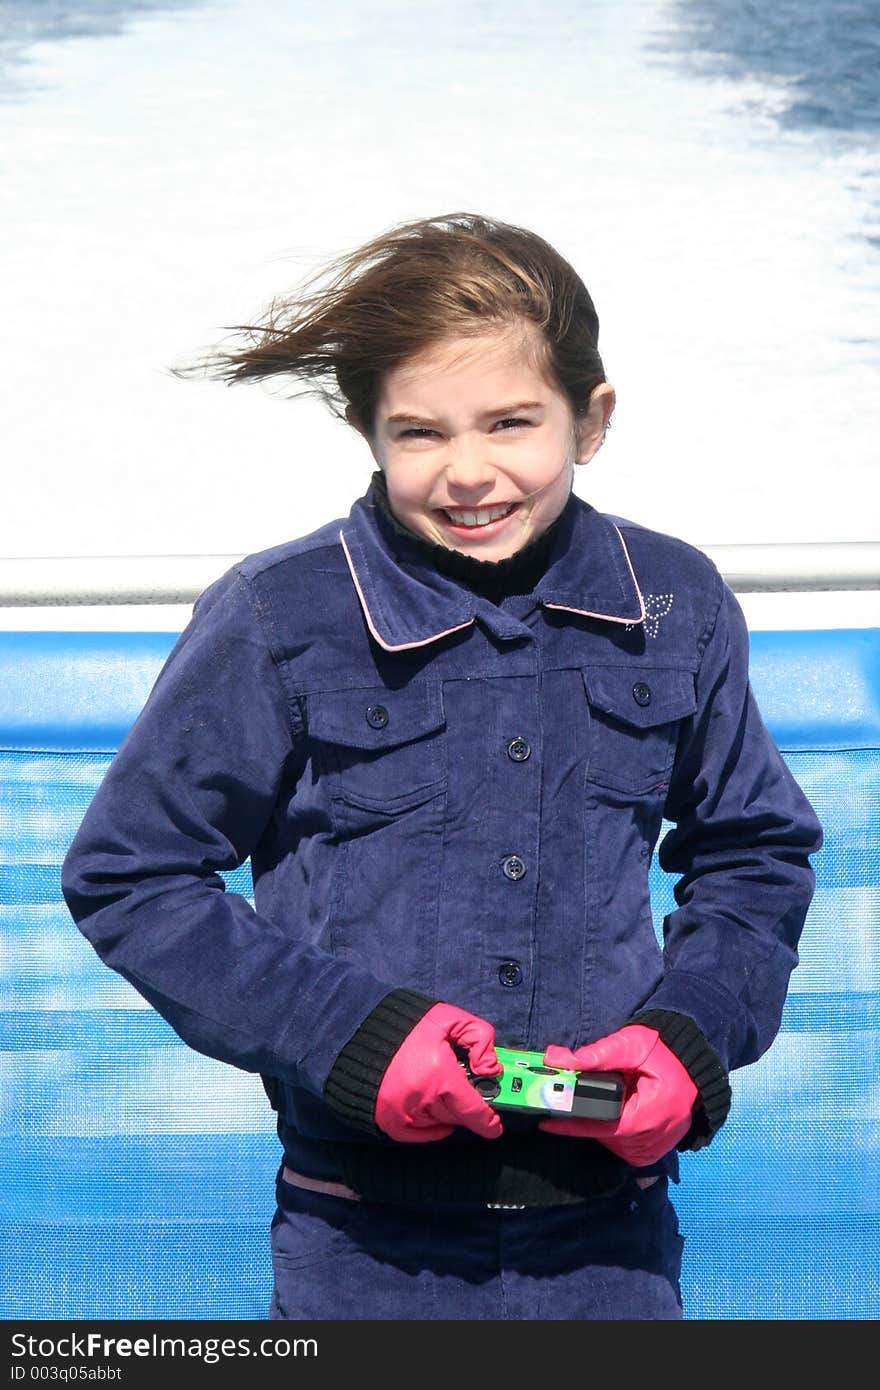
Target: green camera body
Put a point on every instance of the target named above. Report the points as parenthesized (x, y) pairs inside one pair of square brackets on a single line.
[(528, 1086)]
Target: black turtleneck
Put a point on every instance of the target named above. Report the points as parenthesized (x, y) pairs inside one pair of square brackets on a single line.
[(491, 579)]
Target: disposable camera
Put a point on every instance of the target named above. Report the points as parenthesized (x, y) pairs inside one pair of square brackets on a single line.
[(529, 1087)]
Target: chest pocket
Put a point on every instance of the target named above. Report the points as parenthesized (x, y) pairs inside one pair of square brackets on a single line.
[(634, 720), (381, 749)]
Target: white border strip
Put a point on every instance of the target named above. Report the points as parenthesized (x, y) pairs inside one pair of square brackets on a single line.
[(61, 581)]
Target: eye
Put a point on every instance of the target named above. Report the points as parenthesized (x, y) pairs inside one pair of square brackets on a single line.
[(512, 422), (417, 432)]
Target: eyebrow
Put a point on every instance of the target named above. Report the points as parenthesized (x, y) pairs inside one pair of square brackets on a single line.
[(501, 410)]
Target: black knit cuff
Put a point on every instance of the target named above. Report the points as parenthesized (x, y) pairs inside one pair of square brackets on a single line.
[(682, 1036), (351, 1088)]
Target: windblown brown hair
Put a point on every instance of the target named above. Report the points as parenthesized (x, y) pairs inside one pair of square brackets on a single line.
[(410, 288)]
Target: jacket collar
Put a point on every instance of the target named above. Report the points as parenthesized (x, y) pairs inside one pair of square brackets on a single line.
[(407, 603)]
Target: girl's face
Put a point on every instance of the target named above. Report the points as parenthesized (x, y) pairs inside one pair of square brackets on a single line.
[(477, 446)]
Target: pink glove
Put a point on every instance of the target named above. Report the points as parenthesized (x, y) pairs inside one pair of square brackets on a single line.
[(658, 1103), (425, 1091)]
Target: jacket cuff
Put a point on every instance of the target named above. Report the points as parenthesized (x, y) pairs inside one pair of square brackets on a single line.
[(353, 1083), (682, 1036)]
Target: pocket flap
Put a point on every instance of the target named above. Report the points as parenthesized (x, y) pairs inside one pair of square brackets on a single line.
[(641, 697), (374, 717)]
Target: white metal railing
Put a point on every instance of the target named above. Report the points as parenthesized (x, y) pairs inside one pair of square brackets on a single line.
[(168, 579)]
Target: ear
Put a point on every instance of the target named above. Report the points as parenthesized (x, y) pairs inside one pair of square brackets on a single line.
[(590, 428), (352, 419)]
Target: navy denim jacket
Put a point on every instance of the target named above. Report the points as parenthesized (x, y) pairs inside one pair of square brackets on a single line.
[(443, 795)]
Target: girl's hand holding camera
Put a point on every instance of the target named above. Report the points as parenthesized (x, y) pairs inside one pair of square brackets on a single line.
[(424, 1092), (660, 1095)]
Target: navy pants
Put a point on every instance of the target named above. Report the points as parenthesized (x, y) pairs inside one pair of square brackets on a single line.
[(615, 1256)]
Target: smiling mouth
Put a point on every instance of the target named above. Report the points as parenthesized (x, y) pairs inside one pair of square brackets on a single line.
[(473, 518)]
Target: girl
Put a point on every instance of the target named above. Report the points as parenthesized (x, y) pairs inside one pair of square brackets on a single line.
[(446, 730)]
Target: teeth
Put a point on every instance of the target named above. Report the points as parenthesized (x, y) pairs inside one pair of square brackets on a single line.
[(481, 517)]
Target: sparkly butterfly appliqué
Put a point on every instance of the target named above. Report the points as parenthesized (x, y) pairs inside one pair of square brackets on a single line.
[(656, 607)]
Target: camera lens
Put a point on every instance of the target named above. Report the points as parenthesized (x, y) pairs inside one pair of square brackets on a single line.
[(488, 1086)]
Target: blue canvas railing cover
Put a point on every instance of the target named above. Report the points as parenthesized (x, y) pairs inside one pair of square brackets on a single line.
[(138, 1176)]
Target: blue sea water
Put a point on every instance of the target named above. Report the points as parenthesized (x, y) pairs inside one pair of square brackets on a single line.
[(24, 23), (823, 59), (712, 169), (827, 52)]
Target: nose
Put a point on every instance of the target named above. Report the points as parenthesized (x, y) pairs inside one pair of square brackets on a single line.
[(468, 466)]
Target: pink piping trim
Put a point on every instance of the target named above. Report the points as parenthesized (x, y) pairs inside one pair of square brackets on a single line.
[(333, 1189), (388, 646), (607, 616)]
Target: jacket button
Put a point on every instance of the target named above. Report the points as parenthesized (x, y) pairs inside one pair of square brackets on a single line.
[(377, 716), (513, 867), (510, 973), (518, 749), (642, 693)]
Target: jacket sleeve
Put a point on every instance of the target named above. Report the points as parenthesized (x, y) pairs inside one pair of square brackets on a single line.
[(192, 790), (742, 833)]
